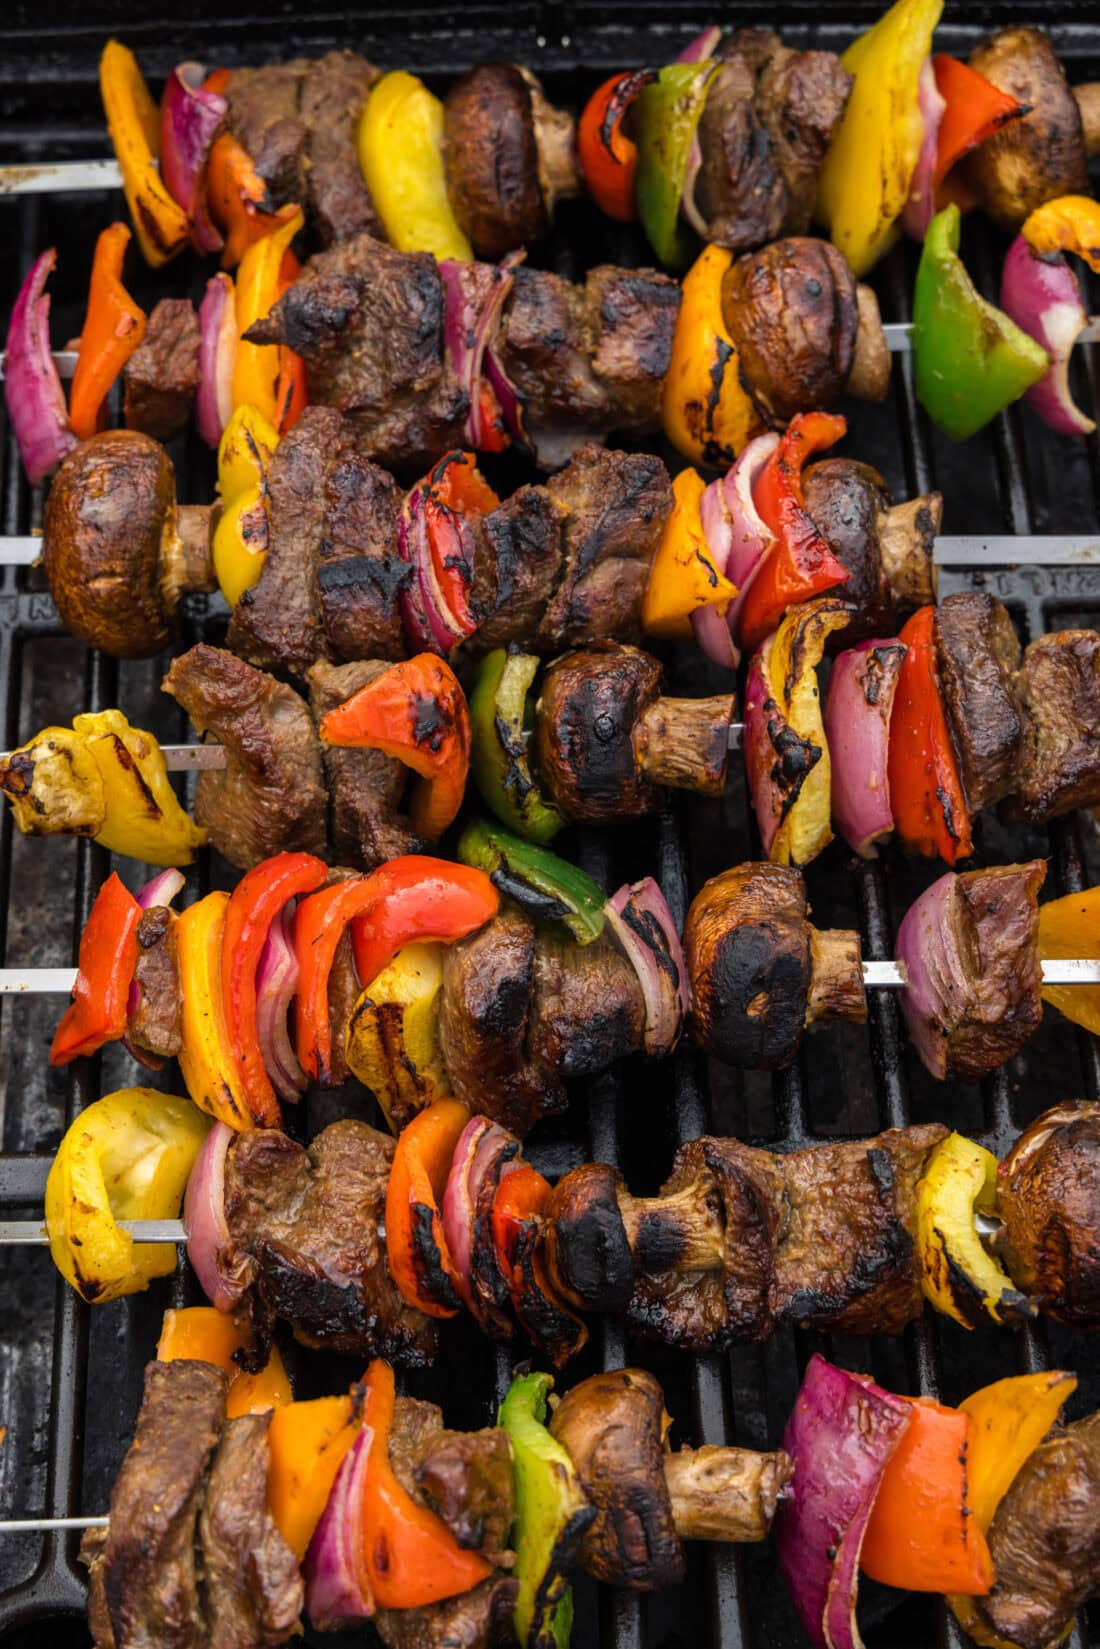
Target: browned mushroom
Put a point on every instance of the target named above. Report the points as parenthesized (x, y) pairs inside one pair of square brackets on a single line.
[(647, 1499), (1043, 154), (117, 549), (759, 972), (795, 315), (606, 741), (508, 156), (1048, 1195)]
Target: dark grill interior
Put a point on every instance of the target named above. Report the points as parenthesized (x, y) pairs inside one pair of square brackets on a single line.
[(70, 1379)]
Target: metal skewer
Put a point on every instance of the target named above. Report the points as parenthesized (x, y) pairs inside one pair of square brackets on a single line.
[(45, 1525)]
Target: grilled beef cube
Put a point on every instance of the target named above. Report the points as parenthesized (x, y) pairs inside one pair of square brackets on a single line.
[(154, 1027), (978, 654), (306, 1244), (465, 1477), (359, 574), (252, 1585), (587, 1010), (847, 502), (1045, 1540), (162, 375), (143, 1586), (480, 1619), (615, 506), (334, 91), (270, 796), (488, 990), (365, 787), (516, 569), (1059, 685), (264, 116), (368, 321), (769, 117), (632, 315), (1048, 1196)]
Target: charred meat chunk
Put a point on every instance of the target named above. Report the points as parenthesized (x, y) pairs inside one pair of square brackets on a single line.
[(155, 1025), (270, 796), (333, 93), (365, 787), (1045, 1540), (465, 1477), (1059, 685), (162, 375), (978, 654), (846, 500), (1048, 1195), (769, 117), (143, 1584), (252, 1585), (517, 566), (359, 572), (479, 1619), (264, 117), (306, 1244)]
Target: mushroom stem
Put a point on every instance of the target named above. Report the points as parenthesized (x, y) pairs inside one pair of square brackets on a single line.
[(1088, 102), (907, 543), (186, 552), (556, 142), (836, 977), (725, 1494), (684, 743), (680, 1232), (869, 378)]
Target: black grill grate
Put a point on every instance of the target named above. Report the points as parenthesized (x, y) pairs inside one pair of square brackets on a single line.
[(70, 1379)]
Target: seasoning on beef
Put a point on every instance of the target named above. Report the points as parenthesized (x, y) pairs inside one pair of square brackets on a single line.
[(365, 787), (154, 1026), (359, 572), (334, 91), (270, 796), (143, 1582), (978, 654), (162, 375), (307, 1244), (846, 501), (517, 566), (252, 1585), (1059, 685)]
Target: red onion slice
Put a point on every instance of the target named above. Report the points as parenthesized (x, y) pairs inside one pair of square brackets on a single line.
[(856, 717), (162, 889), (920, 203), (428, 620), (703, 46), (1043, 297), (190, 117), (642, 923), (217, 352), (276, 983), (204, 1216), (475, 295), (32, 388), (508, 397), (751, 539), (759, 751), (712, 634), (337, 1585), (928, 948), (458, 1206), (841, 1435)]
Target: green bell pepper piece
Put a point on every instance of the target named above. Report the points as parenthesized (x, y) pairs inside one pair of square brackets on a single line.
[(548, 888), (552, 1515), (498, 755), (971, 360), (668, 115)]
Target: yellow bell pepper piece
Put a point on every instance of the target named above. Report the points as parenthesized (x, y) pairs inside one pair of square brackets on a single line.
[(791, 659), (869, 167), (1008, 1421), (143, 817), (162, 226), (1071, 927), (400, 143), (256, 366), (206, 1058), (1071, 223), (127, 1157), (54, 786), (393, 1034), (240, 536), (958, 1277), (682, 576), (706, 411)]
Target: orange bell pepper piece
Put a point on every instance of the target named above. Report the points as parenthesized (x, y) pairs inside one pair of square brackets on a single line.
[(306, 1445), (263, 374), (926, 792), (319, 925), (113, 327), (208, 1058), (199, 1333), (682, 575), (1071, 927), (412, 1558), (105, 969), (922, 1536), (419, 897), (417, 712), (608, 156), (974, 110), (1071, 223), (416, 1250), (163, 227), (236, 194)]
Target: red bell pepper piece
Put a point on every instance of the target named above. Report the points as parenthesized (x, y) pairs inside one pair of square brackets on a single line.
[(800, 565), (114, 325), (412, 1558), (256, 901), (455, 487), (319, 925), (417, 712), (419, 897), (926, 793), (519, 1210), (417, 1254), (521, 1199), (975, 109), (105, 970), (608, 156)]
